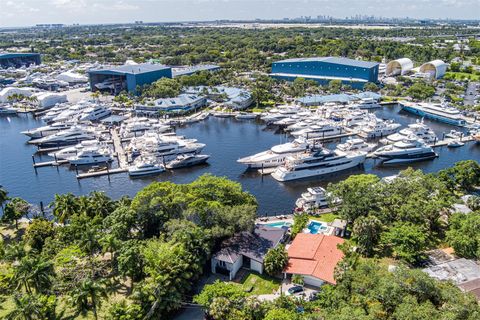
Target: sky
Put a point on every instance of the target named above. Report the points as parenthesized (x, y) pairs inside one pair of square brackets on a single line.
[(31, 12)]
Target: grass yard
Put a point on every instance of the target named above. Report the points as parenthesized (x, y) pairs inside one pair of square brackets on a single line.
[(462, 75), (256, 284), (326, 217)]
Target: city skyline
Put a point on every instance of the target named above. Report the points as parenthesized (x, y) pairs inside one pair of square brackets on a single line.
[(32, 12)]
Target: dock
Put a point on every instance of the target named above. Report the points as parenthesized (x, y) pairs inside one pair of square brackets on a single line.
[(49, 163), (101, 173)]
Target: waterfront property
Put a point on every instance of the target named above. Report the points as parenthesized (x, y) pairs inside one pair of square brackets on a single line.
[(180, 104), (19, 59), (127, 77), (314, 257), (235, 98), (355, 73), (247, 250)]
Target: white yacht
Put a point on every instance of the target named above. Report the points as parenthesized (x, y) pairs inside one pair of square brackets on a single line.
[(246, 116), (95, 113), (72, 113), (187, 160), (418, 129), (53, 112), (145, 167), (407, 150), (7, 111), (314, 198), (379, 128), (355, 118), (72, 151), (311, 164), (368, 103), (90, 156), (356, 144), (276, 156), (73, 135), (318, 131), (440, 112), (47, 130)]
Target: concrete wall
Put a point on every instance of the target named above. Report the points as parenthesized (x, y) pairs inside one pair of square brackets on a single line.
[(256, 266), (232, 267)]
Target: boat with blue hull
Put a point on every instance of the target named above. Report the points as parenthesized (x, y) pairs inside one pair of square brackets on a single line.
[(435, 111)]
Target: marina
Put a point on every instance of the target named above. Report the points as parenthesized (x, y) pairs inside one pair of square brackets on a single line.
[(226, 140)]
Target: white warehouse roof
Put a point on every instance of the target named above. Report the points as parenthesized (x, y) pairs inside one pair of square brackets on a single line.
[(435, 68), (399, 67)]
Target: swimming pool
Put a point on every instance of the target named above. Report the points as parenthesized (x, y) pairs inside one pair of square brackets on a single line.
[(317, 227), (279, 224)]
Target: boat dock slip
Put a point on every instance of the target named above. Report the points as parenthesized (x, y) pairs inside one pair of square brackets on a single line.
[(48, 163), (117, 145), (101, 173)]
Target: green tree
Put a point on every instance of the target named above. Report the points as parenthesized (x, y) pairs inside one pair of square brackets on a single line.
[(463, 176), (32, 307), (130, 261), (370, 86), (421, 90), (366, 233), (33, 272), (334, 86), (3, 198), (463, 234), (275, 260), (281, 314), (88, 295), (405, 241), (64, 207), (38, 231), (15, 210), (219, 289), (300, 222)]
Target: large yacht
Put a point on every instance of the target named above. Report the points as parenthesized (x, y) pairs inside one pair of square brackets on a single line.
[(73, 135), (95, 113), (356, 144), (316, 163), (368, 103), (5, 110), (435, 111), (90, 156), (47, 130), (145, 167), (418, 129), (73, 112), (187, 160), (408, 150), (72, 151), (355, 118), (276, 156), (379, 128), (318, 131), (314, 198)]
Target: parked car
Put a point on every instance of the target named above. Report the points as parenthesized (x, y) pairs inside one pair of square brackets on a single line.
[(294, 290)]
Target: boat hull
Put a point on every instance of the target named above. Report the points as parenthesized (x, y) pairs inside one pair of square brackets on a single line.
[(422, 113)]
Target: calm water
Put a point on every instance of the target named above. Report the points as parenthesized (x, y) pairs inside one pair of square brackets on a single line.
[(226, 139)]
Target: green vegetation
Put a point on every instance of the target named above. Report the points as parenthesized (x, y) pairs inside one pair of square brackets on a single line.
[(255, 284), (461, 76), (275, 260), (299, 223)]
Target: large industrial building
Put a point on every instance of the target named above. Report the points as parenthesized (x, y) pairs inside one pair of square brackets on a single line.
[(18, 60), (324, 69), (398, 67), (126, 77), (180, 104)]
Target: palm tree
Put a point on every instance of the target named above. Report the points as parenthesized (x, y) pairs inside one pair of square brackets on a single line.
[(15, 251), (26, 308), (101, 204), (64, 206), (33, 272), (88, 295), (110, 244)]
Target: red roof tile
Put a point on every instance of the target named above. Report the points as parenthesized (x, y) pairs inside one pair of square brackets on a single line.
[(314, 255)]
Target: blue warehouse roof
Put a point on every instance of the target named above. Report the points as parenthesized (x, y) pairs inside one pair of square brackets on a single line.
[(6, 55), (335, 60), (130, 69)]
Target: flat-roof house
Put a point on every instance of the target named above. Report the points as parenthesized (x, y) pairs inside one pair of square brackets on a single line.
[(247, 250), (314, 256), (179, 104)]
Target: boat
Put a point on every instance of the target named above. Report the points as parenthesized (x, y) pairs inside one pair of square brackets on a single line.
[(95, 113), (7, 111), (90, 156), (319, 131), (47, 130), (315, 197), (407, 150), (72, 151), (379, 128), (454, 134), (355, 118), (356, 144), (187, 160), (435, 111), (73, 135), (317, 163), (418, 129), (145, 168), (455, 144), (276, 156), (72, 113), (246, 116), (368, 103)]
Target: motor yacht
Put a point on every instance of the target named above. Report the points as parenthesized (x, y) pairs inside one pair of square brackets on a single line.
[(317, 163), (73, 135), (47, 130), (187, 160), (418, 129), (368, 103), (72, 113), (322, 130), (435, 111), (246, 116), (314, 198), (72, 151), (7, 111), (95, 113), (408, 150), (356, 144), (145, 167), (90, 156), (277, 155), (379, 128)]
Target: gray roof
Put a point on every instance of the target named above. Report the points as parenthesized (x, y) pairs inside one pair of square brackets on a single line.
[(18, 54), (335, 60), (253, 245), (131, 69), (178, 101), (459, 271)]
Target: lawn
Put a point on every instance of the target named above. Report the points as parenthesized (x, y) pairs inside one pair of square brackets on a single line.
[(256, 284), (462, 75), (326, 217)]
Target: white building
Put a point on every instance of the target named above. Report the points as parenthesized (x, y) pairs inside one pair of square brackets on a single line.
[(436, 69), (398, 67)]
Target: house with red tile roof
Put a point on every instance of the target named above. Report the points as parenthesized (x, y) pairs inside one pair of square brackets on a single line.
[(314, 256)]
